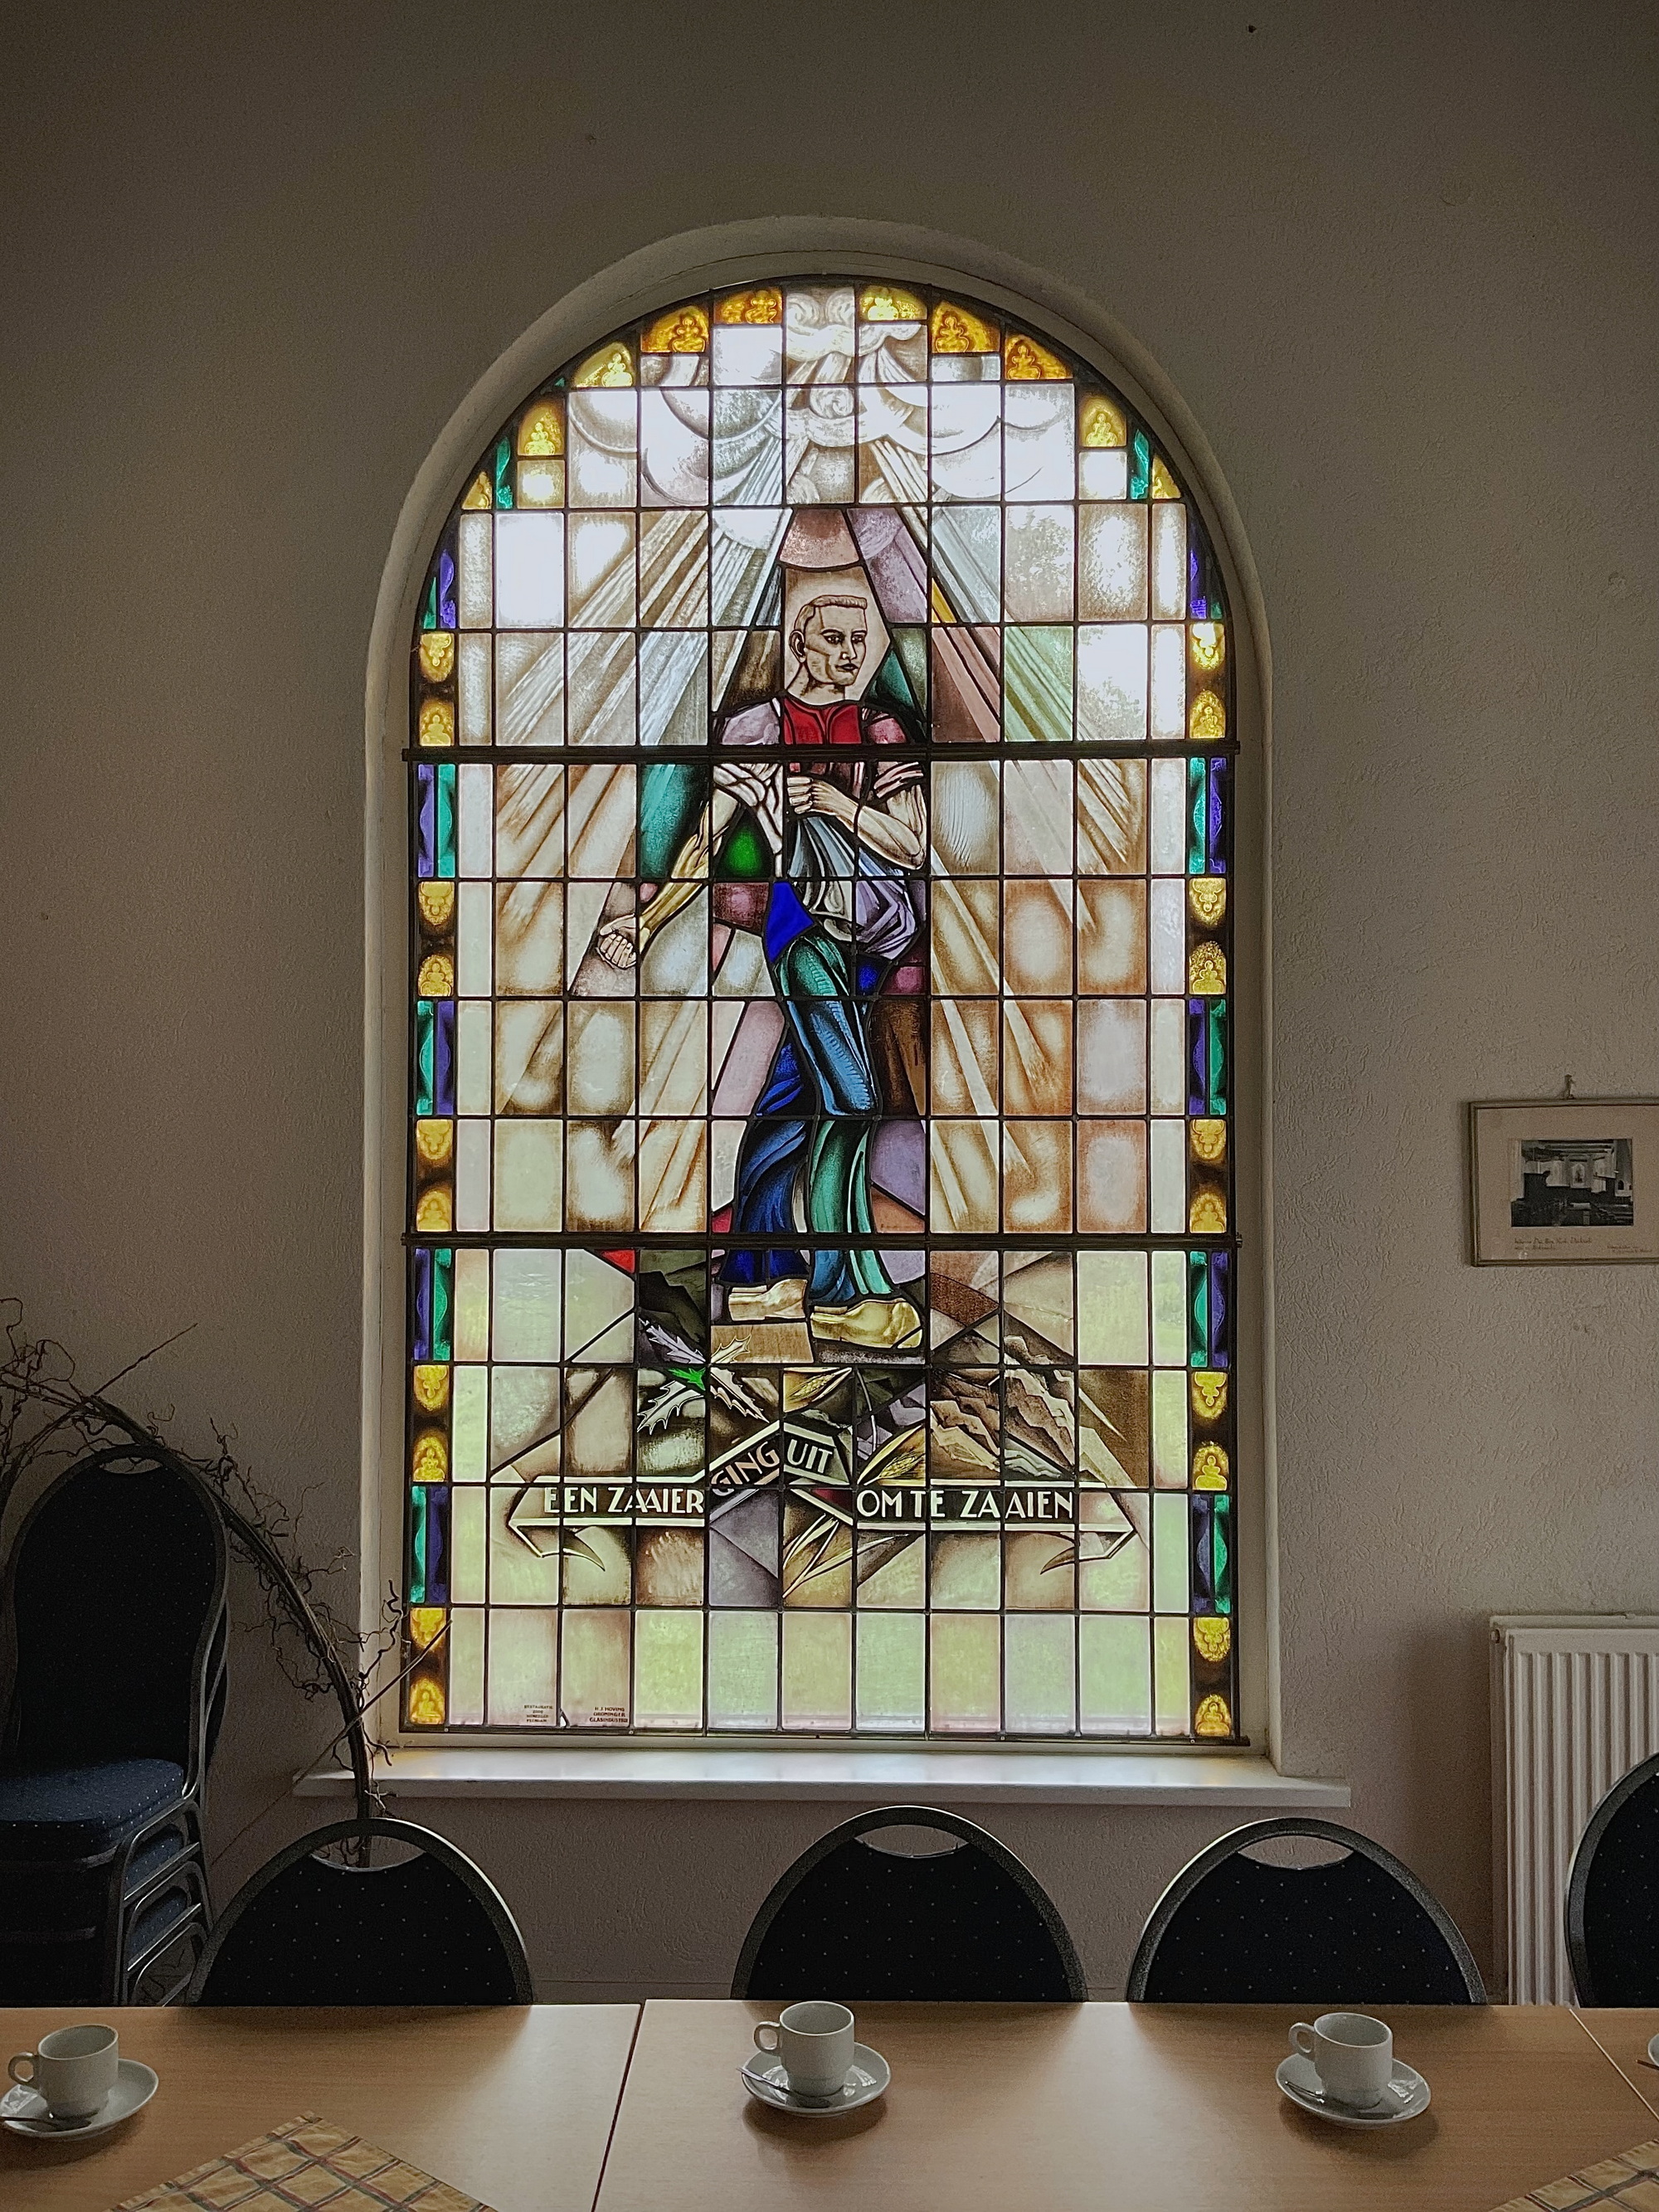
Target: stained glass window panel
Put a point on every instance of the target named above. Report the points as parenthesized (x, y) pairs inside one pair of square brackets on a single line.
[(821, 1221)]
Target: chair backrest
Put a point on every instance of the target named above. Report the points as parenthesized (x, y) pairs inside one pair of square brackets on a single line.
[(1612, 1896), (1358, 1929), (431, 1930), (113, 1606), (853, 1921)]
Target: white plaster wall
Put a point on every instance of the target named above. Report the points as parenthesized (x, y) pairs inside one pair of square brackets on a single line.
[(1399, 263)]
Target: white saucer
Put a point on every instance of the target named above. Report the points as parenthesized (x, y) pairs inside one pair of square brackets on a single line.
[(1406, 2096), (24, 2110), (764, 2078)]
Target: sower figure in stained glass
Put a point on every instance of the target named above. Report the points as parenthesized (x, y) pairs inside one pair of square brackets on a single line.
[(844, 814)]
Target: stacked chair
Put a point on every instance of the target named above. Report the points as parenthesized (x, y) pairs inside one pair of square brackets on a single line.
[(113, 1679)]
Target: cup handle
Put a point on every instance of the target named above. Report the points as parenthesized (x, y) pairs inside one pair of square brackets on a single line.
[(1300, 2031), (23, 2058), (762, 2029)]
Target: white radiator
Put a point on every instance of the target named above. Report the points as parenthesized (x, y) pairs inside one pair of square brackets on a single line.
[(1575, 1705)]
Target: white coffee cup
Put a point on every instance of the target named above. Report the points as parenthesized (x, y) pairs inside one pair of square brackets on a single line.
[(1353, 2055), (74, 2069), (815, 2042)]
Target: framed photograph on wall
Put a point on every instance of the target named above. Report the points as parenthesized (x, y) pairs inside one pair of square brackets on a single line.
[(1560, 1180)]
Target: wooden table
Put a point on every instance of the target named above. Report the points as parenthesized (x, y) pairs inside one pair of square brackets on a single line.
[(514, 2106), (1108, 2105), (1038, 2107)]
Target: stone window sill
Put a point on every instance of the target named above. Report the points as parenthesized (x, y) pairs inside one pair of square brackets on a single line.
[(980, 1774)]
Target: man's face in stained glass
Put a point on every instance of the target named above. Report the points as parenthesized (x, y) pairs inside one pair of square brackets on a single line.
[(830, 640)]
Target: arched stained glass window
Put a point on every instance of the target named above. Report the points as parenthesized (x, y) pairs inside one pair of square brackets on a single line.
[(820, 1237)]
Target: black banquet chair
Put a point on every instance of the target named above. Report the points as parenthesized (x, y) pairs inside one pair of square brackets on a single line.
[(1612, 1896), (315, 1927), (854, 1920), (112, 1652), (1359, 1929)]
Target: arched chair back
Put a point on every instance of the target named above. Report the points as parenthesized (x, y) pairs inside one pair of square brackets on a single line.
[(114, 1605), (852, 1920), (113, 1633), (425, 1927), (1358, 1928), (1612, 1896)]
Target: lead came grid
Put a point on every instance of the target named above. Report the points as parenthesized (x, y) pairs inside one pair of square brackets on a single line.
[(631, 1505)]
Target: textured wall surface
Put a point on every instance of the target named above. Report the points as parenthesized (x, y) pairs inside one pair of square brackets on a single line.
[(1399, 263)]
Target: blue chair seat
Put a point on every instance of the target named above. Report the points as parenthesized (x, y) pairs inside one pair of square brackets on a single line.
[(81, 1812)]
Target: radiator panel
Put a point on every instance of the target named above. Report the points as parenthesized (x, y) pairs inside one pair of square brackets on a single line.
[(1575, 1705)]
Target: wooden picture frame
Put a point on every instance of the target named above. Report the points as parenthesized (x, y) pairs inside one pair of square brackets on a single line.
[(1559, 1181)]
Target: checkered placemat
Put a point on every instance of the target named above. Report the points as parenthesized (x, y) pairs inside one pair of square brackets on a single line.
[(304, 2166), (1630, 2180)]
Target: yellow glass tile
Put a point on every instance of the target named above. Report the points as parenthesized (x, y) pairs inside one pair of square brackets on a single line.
[(437, 905), (436, 726), (1207, 719), (1206, 897), (610, 368), (682, 330), (1209, 1393), (431, 1387), (1164, 484), (437, 654), (541, 483), (1207, 1214), (763, 305), (1209, 1467), (437, 977), (1208, 1138), (541, 429), (477, 494), (891, 303), (956, 330), (425, 1623), (1207, 969), (1025, 361), (426, 1703), (434, 1209), (435, 1144), (1213, 1636), (1214, 1717), (1209, 644), (428, 1457), (1099, 423)]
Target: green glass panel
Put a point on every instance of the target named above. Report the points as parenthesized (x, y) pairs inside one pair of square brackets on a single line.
[(1221, 1554), (1036, 684), (671, 795), (1140, 465), (418, 1526), (893, 1670), (1111, 1309), (1114, 1670), (1040, 1659), (504, 473), (445, 839), (1197, 807), (429, 606), (1198, 1309), (1170, 1575), (746, 857), (425, 1020), (743, 1670), (911, 648), (1216, 1017), (668, 1669), (443, 1303)]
